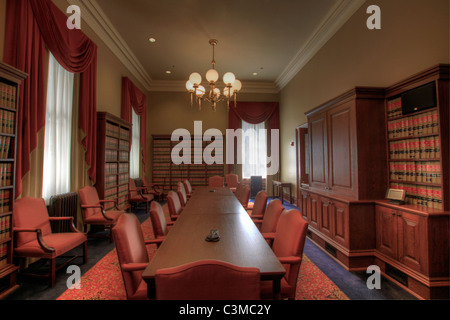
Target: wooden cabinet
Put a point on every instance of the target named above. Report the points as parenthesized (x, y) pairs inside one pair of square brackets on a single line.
[(415, 243), (347, 144), (113, 160), (10, 82)]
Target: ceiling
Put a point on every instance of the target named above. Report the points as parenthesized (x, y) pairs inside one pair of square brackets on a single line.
[(263, 42)]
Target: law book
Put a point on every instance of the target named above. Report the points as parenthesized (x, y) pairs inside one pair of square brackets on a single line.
[(435, 122)]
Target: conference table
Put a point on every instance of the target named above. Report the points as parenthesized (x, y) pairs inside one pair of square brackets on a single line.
[(241, 243)]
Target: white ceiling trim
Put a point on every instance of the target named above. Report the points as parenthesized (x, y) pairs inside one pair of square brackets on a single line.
[(335, 19), (95, 17)]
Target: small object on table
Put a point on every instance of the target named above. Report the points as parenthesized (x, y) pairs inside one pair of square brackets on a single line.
[(213, 236)]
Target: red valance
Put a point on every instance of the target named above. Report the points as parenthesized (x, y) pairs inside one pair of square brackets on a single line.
[(132, 97), (30, 25), (254, 113)]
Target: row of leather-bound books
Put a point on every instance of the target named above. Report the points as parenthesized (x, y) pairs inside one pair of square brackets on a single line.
[(421, 172), (416, 148), (5, 147), (416, 125), (5, 201), (428, 196), (7, 95), (7, 121), (5, 227), (3, 255)]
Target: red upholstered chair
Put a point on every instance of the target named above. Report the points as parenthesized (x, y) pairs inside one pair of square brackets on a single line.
[(152, 188), (181, 194), (137, 196), (288, 245), (187, 188), (259, 207), (173, 202), (159, 223), (34, 237), (244, 196), (232, 181), (132, 254), (268, 225), (240, 187), (94, 213), (207, 280), (215, 182)]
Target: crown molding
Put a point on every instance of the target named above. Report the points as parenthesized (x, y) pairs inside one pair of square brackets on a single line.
[(334, 20), (180, 86), (97, 20)]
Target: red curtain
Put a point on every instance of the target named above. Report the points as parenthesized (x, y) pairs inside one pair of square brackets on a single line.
[(132, 97), (253, 112), (30, 25)]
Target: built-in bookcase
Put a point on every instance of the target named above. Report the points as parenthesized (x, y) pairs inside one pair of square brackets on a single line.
[(10, 82), (418, 142), (166, 174), (113, 159)]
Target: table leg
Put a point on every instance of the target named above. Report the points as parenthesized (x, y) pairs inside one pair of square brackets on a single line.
[(276, 288)]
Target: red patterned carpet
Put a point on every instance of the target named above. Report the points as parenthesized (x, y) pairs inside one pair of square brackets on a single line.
[(104, 280)]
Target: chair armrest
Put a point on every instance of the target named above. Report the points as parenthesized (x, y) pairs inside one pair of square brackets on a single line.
[(70, 219), (257, 217), (115, 202), (289, 260), (157, 241), (170, 223), (130, 267), (269, 236), (39, 238)]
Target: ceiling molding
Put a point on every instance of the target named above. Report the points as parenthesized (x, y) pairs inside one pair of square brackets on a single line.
[(335, 19), (97, 20), (180, 86)]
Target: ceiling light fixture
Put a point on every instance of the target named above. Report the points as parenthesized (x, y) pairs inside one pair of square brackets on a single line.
[(198, 92)]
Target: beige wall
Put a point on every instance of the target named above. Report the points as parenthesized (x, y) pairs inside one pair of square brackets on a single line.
[(414, 36)]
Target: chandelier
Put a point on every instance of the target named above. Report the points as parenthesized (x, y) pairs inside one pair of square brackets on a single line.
[(198, 92)]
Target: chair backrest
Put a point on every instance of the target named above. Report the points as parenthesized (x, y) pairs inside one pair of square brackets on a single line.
[(208, 280), (244, 197), (30, 213), (145, 184), (187, 186), (271, 216), (259, 207), (89, 197), (290, 241), (215, 182), (158, 219), (231, 180), (130, 246), (239, 188), (181, 193), (133, 190), (173, 202)]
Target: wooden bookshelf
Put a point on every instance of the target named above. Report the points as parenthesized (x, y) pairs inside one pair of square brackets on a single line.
[(113, 160), (166, 174), (10, 82)]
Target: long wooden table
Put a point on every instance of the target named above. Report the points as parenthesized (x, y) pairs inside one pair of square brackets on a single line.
[(240, 243)]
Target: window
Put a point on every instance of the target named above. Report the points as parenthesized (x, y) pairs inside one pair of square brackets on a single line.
[(135, 146), (58, 130), (254, 150)]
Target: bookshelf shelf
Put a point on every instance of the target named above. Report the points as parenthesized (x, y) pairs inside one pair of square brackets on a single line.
[(113, 156), (10, 81)]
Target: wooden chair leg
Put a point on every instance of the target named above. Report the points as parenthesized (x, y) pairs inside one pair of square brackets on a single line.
[(52, 273)]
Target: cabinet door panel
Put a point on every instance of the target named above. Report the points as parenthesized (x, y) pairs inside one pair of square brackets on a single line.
[(341, 176), (319, 152), (315, 208), (412, 237), (325, 222), (305, 205), (340, 223), (386, 235)]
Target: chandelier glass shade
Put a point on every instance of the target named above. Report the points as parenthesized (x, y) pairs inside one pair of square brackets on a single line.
[(215, 95)]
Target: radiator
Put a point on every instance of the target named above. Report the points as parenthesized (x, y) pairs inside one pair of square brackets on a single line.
[(63, 205)]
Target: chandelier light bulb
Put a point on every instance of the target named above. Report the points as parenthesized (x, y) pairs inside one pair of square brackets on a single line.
[(229, 78), (200, 91), (226, 92), (195, 78), (190, 86), (237, 86), (212, 75)]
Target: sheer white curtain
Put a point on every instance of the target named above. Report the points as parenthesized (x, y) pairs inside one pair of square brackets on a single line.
[(135, 146), (58, 130), (254, 150)]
